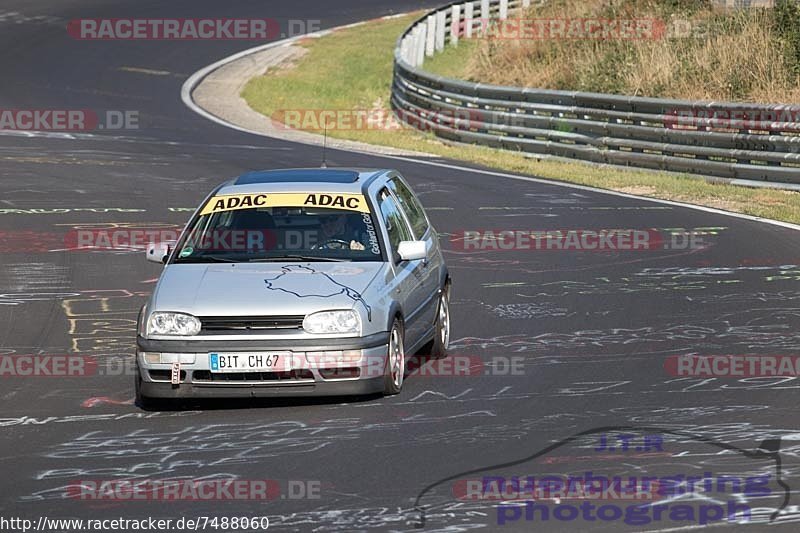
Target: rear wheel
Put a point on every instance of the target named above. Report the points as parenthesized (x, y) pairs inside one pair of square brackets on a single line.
[(395, 369), (441, 335)]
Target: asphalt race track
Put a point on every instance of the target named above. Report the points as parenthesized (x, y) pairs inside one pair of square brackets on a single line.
[(588, 332)]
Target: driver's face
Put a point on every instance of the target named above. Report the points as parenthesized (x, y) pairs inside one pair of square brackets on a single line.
[(333, 225)]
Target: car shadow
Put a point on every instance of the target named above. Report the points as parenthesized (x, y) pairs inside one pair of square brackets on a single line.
[(221, 404)]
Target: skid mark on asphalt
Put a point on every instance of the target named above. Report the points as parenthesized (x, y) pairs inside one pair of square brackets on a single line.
[(148, 71), (15, 17), (34, 276), (105, 400)]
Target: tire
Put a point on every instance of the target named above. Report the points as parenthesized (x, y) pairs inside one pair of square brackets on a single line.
[(441, 329), (394, 370)]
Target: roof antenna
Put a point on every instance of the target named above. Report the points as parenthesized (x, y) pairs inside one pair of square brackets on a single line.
[(324, 144)]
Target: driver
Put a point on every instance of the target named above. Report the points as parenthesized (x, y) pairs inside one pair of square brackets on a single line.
[(335, 228)]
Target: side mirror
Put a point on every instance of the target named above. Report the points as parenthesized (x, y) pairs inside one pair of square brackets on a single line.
[(412, 250), (157, 252)]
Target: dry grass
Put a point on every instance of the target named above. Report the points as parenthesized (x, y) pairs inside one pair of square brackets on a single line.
[(729, 55)]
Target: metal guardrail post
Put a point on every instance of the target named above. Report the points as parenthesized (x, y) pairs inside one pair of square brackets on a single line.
[(455, 25), (486, 13), (469, 16), (430, 36), (441, 24), (420, 44)]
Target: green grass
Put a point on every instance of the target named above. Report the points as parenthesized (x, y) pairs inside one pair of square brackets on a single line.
[(352, 70), (453, 60)]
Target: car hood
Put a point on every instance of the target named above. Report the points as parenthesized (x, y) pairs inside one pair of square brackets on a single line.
[(246, 289)]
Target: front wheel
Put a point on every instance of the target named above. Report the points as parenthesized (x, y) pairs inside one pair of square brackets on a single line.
[(441, 335), (395, 368)]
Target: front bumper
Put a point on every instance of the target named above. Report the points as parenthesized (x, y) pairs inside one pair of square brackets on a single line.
[(317, 368)]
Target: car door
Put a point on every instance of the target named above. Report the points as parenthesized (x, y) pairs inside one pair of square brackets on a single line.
[(421, 230), (409, 275)]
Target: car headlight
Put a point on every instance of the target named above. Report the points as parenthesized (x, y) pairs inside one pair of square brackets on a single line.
[(164, 323), (333, 322)]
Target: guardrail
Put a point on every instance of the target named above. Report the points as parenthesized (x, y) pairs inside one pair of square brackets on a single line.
[(728, 140)]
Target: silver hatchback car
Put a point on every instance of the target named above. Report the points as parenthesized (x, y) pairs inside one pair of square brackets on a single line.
[(295, 282)]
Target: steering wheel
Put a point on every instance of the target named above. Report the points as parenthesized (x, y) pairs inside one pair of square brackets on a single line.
[(343, 245)]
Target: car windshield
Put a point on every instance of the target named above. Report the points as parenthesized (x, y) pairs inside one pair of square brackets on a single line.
[(281, 233)]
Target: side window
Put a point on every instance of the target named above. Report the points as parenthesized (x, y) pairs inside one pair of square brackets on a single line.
[(411, 207), (396, 226)]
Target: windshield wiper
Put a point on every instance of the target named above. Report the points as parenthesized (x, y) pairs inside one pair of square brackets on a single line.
[(207, 259), (297, 258)]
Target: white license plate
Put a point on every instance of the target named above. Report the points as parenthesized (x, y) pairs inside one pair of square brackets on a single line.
[(250, 362)]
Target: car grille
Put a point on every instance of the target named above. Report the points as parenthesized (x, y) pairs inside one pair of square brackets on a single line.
[(292, 375), (226, 325)]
